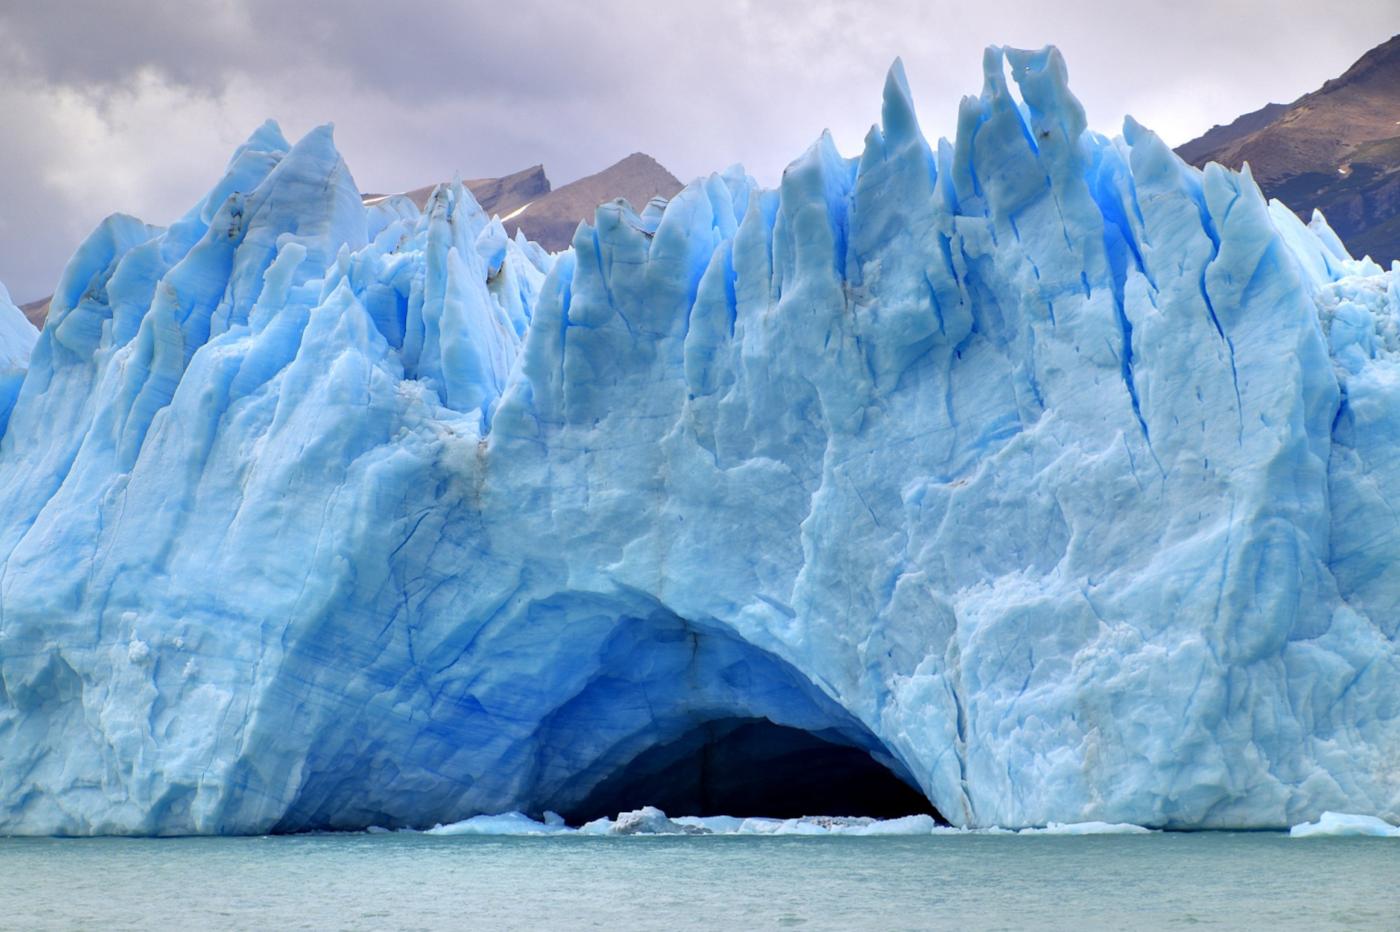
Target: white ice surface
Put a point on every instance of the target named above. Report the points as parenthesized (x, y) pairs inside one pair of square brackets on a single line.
[(509, 823), (1342, 824), (652, 821), (1087, 828)]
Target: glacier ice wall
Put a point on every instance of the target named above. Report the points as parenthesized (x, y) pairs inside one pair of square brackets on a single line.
[(17, 338), (1053, 472)]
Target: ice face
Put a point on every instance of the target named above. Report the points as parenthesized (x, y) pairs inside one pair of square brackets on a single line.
[(17, 339), (1050, 472)]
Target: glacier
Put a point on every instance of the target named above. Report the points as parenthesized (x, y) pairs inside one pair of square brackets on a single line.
[(17, 339), (1053, 474)]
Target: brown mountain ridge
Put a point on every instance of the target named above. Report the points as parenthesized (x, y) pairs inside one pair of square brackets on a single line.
[(1336, 149), (549, 216)]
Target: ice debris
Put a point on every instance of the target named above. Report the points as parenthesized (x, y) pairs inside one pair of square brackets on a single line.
[(650, 820), (1342, 824), (1087, 828), (509, 823)]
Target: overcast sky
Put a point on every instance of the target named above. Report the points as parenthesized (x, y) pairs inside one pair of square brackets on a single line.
[(135, 106)]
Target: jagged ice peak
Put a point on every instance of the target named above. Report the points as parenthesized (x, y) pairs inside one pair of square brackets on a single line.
[(1047, 471)]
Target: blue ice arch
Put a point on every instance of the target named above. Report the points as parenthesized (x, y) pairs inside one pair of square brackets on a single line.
[(1054, 474)]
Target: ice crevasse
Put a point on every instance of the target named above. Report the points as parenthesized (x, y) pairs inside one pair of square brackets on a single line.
[(1054, 474)]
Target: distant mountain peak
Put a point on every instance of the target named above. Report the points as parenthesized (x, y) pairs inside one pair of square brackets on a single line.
[(551, 220), (637, 158), (495, 195), (549, 216), (1336, 149), (36, 311), (1381, 61)]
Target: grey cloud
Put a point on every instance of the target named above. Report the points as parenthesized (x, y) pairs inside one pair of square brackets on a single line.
[(92, 42), (422, 88)]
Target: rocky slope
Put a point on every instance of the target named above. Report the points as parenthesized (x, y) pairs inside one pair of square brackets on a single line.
[(1336, 150), (525, 201), (495, 195), (551, 220), (36, 311)]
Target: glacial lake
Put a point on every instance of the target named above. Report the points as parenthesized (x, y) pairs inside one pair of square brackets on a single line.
[(1166, 881)]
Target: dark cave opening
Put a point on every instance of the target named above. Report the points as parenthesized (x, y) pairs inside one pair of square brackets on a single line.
[(753, 767)]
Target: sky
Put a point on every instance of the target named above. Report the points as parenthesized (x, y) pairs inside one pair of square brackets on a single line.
[(118, 106)]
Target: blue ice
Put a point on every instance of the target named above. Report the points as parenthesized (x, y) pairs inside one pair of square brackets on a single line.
[(1054, 473)]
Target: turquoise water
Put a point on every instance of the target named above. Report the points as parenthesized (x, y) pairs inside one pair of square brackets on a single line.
[(964, 882)]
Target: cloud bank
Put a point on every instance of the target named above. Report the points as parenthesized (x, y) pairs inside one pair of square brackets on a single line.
[(134, 106)]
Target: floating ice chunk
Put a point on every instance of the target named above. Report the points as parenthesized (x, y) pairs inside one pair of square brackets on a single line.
[(1345, 824), (811, 825), (507, 823), (649, 820), (714, 825), (908, 825), (1087, 828)]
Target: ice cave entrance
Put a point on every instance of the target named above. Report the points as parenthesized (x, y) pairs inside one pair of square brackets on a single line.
[(753, 767), (689, 717)]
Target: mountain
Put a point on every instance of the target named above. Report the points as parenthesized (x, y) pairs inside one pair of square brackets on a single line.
[(1336, 149), (551, 220), (1044, 474), (36, 311), (495, 195), (549, 217), (1216, 139)]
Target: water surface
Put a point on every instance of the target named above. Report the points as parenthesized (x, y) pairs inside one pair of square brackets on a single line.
[(1254, 880)]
